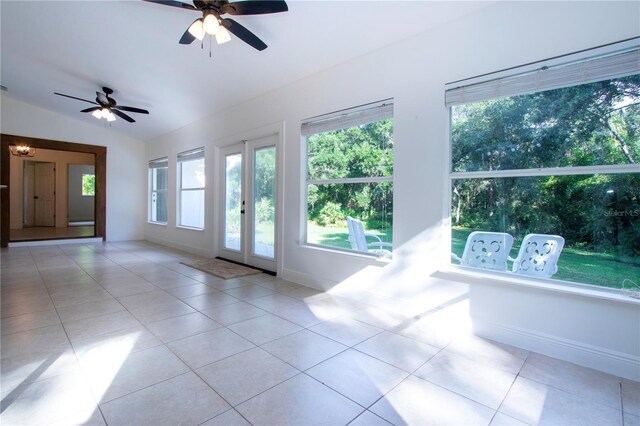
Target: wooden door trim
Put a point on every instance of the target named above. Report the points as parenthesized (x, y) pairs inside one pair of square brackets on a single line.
[(100, 153)]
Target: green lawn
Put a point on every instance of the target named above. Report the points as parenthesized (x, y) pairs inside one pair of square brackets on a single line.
[(576, 265), (339, 237)]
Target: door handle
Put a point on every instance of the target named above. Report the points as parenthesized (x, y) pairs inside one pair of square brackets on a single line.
[(35, 197)]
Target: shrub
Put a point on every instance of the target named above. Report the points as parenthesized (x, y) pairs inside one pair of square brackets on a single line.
[(264, 210), (331, 214)]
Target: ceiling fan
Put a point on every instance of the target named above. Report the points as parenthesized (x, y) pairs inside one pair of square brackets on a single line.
[(107, 107), (212, 22)]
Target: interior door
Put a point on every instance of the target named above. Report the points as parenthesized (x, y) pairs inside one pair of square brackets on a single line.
[(249, 202), (44, 198)]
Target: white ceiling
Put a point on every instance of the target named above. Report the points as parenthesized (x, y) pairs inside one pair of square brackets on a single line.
[(76, 47)]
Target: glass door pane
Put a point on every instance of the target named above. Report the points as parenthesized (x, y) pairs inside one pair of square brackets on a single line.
[(264, 200), (233, 202)]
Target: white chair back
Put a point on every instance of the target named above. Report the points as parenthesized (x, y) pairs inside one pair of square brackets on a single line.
[(487, 250), (356, 235), (538, 256)]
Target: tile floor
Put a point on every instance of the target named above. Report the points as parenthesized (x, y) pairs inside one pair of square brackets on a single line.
[(122, 333)]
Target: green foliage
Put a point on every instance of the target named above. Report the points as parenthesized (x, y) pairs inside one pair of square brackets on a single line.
[(265, 211), (331, 214), (574, 126), (88, 185), (355, 152), (265, 173)]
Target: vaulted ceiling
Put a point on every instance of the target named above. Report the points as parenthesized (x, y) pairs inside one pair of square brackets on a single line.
[(76, 47)]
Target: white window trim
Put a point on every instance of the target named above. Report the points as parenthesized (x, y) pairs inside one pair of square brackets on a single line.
[(319, 124), (447, 268)]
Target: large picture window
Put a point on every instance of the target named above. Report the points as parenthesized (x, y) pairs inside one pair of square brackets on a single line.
[(545, 180), (158, 170), (349, 179), (191, 188)]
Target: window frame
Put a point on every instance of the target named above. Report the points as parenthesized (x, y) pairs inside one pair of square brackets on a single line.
[(196, 154), (159, 163), (321, 124), (450, 175)]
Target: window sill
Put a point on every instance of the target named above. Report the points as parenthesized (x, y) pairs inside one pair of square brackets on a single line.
[(471, 276), (157, 223), (189, 228), (353, 253)]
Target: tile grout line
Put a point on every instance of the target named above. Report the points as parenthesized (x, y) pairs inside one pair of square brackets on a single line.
[(84, 373)]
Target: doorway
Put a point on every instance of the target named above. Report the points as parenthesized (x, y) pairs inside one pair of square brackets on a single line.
[(12, 198), (249, 205)]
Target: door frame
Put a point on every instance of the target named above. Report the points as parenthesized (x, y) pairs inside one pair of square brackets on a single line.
[(100, 200), (277, 130)]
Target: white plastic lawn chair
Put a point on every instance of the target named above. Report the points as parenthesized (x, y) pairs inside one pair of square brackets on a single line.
[(538, 256), (486, 250), (358, 239)]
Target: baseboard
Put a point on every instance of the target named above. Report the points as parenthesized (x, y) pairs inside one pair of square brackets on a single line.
[(305, 280), (81, 223), (56, 242), (183, 247), (598, 358)]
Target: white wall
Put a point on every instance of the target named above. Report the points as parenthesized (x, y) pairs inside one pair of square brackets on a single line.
[(126, 178), (414, 73)]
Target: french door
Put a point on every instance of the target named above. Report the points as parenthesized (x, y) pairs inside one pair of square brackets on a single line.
[(249, 205)]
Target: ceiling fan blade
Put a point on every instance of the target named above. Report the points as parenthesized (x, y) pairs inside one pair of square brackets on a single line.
[(91, 109), (131, 109), (243, 34), (173, 3), (187, 37), (123, 116), (73, 97), (254, 7)]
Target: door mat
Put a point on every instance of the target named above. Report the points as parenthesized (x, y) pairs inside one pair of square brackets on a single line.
[(220, 268)]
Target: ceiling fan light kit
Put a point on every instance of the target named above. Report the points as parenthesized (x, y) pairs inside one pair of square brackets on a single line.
[(104, 113)]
